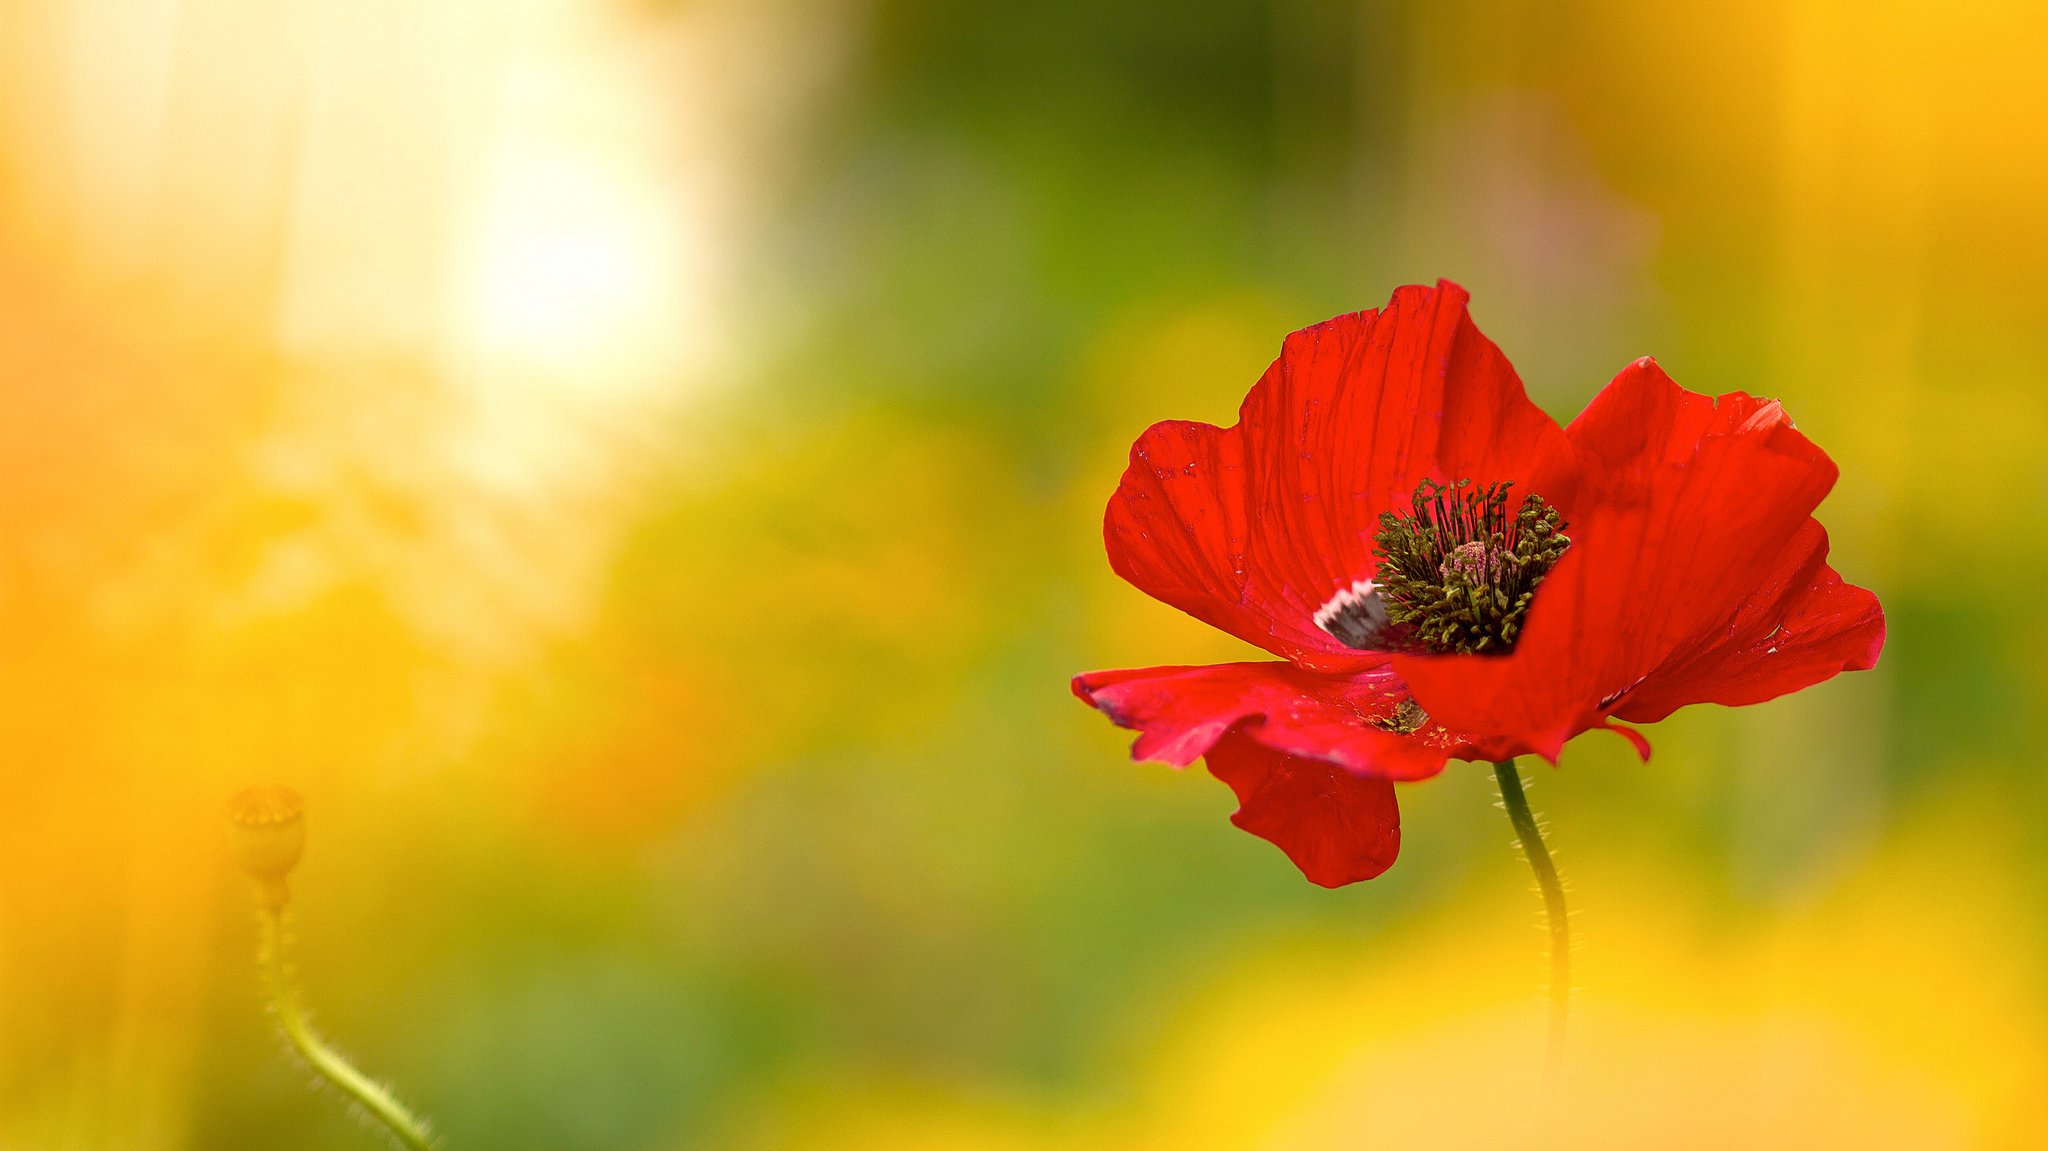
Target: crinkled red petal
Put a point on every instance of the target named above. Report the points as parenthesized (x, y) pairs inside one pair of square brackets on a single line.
[(1338, 827), (1252, 528), (1181, 712), (1687, 507), (1803, 625)]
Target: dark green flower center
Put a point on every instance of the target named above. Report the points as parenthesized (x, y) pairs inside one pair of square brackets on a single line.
[(1459, 572)]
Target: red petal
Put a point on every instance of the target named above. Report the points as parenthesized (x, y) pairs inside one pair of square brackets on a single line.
[(1254, 527), (1689, 504), (1636, 739), (1337, 827), (1492, 432), (1183, 711), (1802, 626)]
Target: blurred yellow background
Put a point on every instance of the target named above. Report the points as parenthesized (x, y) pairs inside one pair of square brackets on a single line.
[(637, 468)]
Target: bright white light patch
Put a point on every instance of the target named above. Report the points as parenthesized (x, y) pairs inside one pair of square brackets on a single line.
[(578, 258)]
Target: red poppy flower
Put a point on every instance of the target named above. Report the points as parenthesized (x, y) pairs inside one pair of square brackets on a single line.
[(1448, 574)]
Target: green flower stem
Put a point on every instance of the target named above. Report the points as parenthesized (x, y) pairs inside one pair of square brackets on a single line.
[(284, 1000), (1517, 803)]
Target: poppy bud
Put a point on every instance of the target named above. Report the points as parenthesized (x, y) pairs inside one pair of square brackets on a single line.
[(267, 831)]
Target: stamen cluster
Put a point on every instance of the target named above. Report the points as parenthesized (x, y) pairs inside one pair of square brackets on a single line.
[(1460, 572)]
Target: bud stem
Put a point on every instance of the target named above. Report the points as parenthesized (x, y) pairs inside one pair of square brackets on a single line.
[(329, 1063), (1516, 801)]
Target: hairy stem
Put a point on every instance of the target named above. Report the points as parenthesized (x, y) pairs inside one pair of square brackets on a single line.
[(1517, 803), (374, 1097)]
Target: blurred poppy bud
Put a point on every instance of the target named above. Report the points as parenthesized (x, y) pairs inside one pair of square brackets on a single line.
[(267, 831)]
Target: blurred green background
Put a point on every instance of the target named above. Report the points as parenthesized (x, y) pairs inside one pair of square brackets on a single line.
[(638, 469)]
